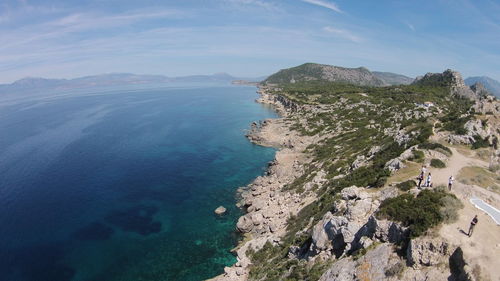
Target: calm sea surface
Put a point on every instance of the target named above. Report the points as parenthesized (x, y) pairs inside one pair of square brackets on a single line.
[(122, 185)]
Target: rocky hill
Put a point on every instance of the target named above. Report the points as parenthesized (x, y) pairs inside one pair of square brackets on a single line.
[(492, 85), (390, 78), (340, 200), (322, 72)]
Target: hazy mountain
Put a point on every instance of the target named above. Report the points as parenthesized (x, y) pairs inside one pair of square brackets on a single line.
[(492, 85), (393, 78), (323, 72), (111, 79)]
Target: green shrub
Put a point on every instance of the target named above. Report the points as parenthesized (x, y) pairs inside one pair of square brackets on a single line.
[(436, 146), (436, 163), (418, 213), (418, 156), (479, 142), (406, 185)]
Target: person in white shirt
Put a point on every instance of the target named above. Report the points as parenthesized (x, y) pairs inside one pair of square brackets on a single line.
[(428, 183), (450, 182)]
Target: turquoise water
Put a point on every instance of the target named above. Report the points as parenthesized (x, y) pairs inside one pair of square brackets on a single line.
[(122, 185)]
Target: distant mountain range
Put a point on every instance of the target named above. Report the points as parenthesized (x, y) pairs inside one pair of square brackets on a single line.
[(113, 79), (492, 85), (322, 72)]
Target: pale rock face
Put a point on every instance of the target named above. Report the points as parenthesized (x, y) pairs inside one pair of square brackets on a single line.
[(475, 127), (372, 266), (245, 224), (425, 251), (394, 165)]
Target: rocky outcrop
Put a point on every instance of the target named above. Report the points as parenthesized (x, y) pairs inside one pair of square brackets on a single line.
[(353, 227), (449, 78), (428, 251), (479, 89), (373, 266)]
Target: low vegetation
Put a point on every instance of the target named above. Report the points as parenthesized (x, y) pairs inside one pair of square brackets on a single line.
[(427, 209), (437, 147), (436, 163), (406, 185), (480, 177), (418, 156)]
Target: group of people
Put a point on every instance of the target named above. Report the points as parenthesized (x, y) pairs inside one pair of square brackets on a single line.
[(428, 180), (451, 179)]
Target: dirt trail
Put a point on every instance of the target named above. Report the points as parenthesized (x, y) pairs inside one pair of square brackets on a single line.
[(483, 248)]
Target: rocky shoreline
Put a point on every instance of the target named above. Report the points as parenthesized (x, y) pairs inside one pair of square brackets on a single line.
[(268, 207), (349, 238)]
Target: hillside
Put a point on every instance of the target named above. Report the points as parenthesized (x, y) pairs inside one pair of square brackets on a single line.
[(492, 85), (390, 78), (340, 201), (322, 72)]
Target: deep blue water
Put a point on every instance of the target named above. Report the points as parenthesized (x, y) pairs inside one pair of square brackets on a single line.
[(122, 185)]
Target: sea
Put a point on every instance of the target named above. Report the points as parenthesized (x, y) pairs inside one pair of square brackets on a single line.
[(122, 184)]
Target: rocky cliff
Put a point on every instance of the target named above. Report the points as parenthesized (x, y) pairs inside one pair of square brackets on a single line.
[(337, 202)]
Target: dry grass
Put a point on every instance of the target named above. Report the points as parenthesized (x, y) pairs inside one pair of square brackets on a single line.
[(411, 171), (480, 177)]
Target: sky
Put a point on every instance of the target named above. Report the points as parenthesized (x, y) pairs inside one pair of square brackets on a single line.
[(246, 38)]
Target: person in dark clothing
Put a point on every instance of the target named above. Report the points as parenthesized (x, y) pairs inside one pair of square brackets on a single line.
[(420, 179), (472, 225)]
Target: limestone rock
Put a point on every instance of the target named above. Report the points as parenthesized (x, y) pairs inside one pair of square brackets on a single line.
[(245, 224), (427, 251), (220, 210)]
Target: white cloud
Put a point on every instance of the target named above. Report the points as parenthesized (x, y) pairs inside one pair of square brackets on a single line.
[(342, 33), (325, 4)]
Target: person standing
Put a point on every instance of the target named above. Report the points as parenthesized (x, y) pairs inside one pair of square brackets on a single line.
[(420, 179), (450, 182), (472, 225), (428, 182)]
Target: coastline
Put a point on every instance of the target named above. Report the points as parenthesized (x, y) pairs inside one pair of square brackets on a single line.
[(267, 205)]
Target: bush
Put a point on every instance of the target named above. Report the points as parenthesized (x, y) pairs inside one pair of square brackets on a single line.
[(436, 146), (406, 185), (436, 163), (479, 142), (418, 156), (419, 213), (449, 210)]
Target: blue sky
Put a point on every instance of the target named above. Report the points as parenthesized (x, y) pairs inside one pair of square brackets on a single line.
[(65, 39)]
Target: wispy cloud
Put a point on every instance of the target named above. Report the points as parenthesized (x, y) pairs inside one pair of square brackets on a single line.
[(325, 4), (410, 26), (258, 3), (342, 33)]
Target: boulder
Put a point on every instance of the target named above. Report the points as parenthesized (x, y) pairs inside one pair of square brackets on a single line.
[(220, 210), (245, 224)]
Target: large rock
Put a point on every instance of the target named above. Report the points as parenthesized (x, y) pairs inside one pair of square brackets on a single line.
[(372, 266), (427, 251), (220, 210), (387, 231), (245, 224)]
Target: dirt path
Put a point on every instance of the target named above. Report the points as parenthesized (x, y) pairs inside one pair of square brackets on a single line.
[(483, 248)]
